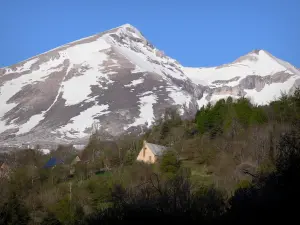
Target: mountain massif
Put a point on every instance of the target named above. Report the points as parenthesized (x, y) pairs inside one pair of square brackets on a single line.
[(118, 81)]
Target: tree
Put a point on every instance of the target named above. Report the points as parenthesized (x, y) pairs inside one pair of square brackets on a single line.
[(50, 219), (169, 163), (14, 212), (67, 212)]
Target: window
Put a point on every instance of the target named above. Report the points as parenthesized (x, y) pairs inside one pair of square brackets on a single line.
[(144, 152), (150, 159)]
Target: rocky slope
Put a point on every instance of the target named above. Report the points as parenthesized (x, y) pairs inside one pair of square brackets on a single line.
[(121, 82)]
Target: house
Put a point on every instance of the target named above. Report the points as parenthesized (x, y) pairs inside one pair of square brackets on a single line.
[(150, 152), (75, 161), (4, 170), (73, 164)]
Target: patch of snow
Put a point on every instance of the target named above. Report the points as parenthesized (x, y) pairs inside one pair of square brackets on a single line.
[(88, 52), (77, 89), (202, 101), (111, 73), (12, 87), (145, 93), (4, 127), (79, 147), (134, 82), (27, 65), (137, 69), (233, 83), (45, 151), (93, 99), (270, 92), (179, 96), (84, 120), (31, 123), (22, 68), (196, 75), (290, 68), (146, 111), (50, 66)]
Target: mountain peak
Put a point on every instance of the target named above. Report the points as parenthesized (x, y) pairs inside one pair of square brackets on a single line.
[(256, 51), (254, 55), (128, 30), (127, 25)]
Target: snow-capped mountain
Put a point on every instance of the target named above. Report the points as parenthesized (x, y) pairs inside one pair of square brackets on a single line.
[(257, 75), (120, 81), (117, 79)]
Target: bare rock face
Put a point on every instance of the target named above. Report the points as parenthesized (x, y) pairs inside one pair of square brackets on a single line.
[(119, 81)]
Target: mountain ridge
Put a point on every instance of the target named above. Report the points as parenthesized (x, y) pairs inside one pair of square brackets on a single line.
[(121, 81)]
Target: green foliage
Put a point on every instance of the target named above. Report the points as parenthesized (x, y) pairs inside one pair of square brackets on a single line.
[(206, 156), (169, 163), (99, 189), (266, 167), (14, 212), (220, 117), (286, 108), (243, 184), (130, 157), (243, 109), (50, 219), (66, 212), (258, 116)]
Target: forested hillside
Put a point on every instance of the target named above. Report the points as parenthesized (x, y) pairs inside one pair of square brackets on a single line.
[(235, 163)]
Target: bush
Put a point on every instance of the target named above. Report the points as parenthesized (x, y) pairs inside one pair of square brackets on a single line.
[(169, 163), (243, 184), (14, 212)]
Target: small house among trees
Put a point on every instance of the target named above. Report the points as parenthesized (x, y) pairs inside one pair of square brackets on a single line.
[(150, 152), (75, 161)]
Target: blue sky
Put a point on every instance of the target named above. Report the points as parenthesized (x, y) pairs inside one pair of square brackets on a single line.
[(196, 33)]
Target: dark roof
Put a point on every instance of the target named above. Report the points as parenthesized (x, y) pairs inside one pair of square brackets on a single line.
[(52, 162), (157, 150)]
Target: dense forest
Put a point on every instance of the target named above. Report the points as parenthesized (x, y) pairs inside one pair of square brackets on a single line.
[(234, 163)]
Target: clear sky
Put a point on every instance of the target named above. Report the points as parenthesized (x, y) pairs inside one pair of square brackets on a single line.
[(195, 32)]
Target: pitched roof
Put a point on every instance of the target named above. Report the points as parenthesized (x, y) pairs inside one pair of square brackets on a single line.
[(157, 150), (75, 160)]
